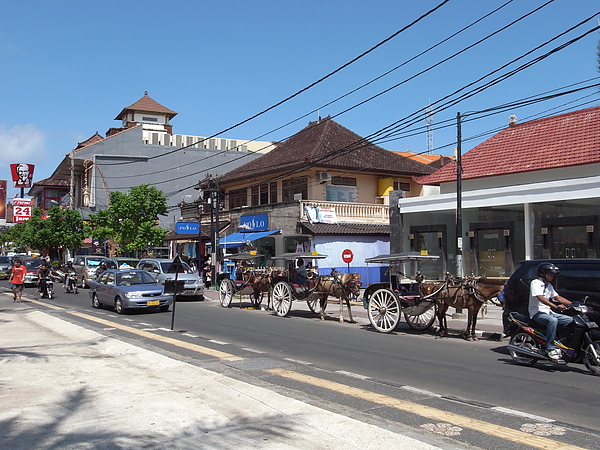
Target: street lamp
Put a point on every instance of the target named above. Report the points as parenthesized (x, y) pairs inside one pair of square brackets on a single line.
[(209, 191)]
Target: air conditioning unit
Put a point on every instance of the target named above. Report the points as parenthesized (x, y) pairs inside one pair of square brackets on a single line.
[(324, 177)]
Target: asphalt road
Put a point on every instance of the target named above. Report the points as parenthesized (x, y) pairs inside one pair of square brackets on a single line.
[(477, 379)]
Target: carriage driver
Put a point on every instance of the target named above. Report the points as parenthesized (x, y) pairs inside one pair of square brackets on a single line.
[(543, 299), (301, 272)]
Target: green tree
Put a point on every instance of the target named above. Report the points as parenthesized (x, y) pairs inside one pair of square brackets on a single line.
[(58, 228), (129, 222)]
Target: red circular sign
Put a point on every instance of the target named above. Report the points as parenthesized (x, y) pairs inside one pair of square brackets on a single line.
[(347, 256)]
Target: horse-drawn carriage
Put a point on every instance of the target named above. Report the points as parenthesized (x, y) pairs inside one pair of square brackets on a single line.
[(385, 302), (249, 280), (420, 300), (286, 287)]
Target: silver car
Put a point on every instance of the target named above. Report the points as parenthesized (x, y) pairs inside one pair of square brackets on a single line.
[(128, 289), (161, 269)]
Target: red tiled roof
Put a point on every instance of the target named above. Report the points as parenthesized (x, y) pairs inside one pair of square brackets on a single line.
[(326, 144), (147, 104), (92, 140), (570, 139)]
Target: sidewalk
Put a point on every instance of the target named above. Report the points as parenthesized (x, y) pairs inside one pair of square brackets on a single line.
[(64, 386)]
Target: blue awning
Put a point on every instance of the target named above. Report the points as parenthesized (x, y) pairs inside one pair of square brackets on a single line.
[(239, 239)]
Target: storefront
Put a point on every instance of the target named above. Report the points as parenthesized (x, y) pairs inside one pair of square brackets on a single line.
[(502, 226)]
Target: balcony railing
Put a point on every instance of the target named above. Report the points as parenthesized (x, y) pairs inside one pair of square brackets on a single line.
[(351, 212)]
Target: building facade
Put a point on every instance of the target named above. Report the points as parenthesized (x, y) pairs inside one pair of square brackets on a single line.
[(143, 150), (325, 189), (531, 191)]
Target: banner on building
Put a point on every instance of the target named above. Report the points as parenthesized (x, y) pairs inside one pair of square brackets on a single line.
[(22, 175)]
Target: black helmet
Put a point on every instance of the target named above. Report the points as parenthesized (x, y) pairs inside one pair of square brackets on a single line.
[(546, 268)]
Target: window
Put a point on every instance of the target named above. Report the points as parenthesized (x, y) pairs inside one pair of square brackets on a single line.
[(149, 119), (263, 194), (254, 196), (238, 198), (399, 186), (294, 186), (343, 181)]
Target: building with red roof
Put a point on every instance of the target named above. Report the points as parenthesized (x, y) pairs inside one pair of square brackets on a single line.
[(324, 189), (530, 191)]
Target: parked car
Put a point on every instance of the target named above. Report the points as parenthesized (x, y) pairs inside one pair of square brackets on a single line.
[(5, 267), (116, 263), (161, 269), (578, 279), (86, 266), (128, 289)]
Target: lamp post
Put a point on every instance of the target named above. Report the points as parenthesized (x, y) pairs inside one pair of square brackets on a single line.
[(209, 191)]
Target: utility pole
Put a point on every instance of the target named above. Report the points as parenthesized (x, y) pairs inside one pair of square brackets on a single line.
[(459, 230)]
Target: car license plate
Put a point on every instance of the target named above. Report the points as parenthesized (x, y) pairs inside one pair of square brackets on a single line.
[(153, 303)]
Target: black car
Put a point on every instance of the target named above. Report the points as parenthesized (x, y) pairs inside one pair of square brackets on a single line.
[(578, 278)]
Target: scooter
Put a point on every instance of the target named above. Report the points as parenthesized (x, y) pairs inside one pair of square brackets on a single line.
[(528, 342), (71, 282), (47, 287)]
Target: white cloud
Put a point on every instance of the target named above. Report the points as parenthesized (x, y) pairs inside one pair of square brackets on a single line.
[(21, 144)]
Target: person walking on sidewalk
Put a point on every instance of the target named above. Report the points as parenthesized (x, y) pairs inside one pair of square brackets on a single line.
[(17, 280)]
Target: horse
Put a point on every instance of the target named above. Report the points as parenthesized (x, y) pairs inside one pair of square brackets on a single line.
[(468, 293), (260, 281), (339, 286)]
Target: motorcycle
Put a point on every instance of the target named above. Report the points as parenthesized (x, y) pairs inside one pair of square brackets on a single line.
[(47, 287), (71, 282), (528, 342)]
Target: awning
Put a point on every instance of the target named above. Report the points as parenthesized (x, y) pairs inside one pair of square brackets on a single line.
[(239, 239)]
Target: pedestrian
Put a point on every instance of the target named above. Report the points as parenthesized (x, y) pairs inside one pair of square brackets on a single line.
[(17, 280)]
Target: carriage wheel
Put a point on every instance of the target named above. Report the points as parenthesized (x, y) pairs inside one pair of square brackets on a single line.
[(422, 321), (256, 298), (226, 292), (384, 310), (282, 298), (313, 305)]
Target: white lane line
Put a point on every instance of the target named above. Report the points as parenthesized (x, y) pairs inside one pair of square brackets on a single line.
[(352, 375)]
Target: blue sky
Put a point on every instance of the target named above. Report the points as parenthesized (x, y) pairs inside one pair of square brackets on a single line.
[(69, 67)]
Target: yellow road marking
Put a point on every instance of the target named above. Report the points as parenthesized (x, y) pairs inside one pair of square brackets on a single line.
[(427, 411), (156, 337), (37, 302)]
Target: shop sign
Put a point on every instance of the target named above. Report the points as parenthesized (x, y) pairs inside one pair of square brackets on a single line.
[(187, 228), (256, 222), (21, 209)]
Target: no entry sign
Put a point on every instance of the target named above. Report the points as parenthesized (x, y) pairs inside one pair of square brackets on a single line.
[(347, 256)]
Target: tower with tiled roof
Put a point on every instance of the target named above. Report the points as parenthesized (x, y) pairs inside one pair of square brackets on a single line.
[(153, 117)]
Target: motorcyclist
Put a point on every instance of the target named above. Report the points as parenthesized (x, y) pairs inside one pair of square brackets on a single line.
[(543, 300), (43, 273), (68, 270), (101, 268)]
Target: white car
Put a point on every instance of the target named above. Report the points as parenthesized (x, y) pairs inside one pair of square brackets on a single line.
[(193, 286)]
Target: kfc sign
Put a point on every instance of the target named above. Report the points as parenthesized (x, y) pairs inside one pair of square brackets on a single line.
[(21, 209), (22, 175)]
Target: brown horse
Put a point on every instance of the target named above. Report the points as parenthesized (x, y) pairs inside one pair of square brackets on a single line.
[(260, 281), (339, 286), (468, 293)]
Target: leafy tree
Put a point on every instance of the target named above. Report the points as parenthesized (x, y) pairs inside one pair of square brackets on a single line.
[(58, 228), (129, 222)]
